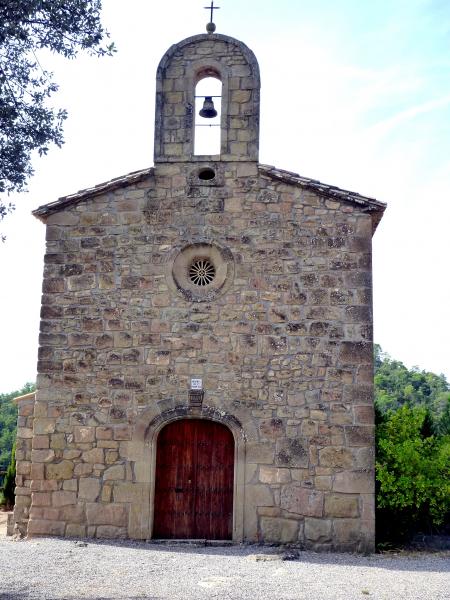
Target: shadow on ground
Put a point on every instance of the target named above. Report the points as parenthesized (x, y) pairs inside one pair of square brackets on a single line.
[(403, 561)]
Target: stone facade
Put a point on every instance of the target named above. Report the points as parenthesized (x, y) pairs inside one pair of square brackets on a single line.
[(282, 338)]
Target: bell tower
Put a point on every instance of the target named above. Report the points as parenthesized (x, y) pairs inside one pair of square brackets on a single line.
[(185, 112)]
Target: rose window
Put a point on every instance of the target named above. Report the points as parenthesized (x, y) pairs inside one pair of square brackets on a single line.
[(202, 272)]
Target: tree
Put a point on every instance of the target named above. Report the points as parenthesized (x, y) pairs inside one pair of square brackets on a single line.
[(65, 27), (9, 483), (397, 386)]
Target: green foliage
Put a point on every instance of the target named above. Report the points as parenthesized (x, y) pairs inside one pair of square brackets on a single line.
[(8, 422), (397, 386), (412, 411), (65, 27), (9, 482)]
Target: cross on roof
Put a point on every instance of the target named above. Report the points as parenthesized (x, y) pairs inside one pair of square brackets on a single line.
[(211, 8)]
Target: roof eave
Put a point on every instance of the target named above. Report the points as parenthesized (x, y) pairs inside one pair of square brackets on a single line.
[(42, 212), (366, 203)]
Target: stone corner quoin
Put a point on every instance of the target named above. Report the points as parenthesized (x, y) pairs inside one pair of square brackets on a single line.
[(279, 332)]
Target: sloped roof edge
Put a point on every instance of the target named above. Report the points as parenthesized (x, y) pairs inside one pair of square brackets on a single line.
[(134, 177), (367, 204), (322, 188), (25, 397)]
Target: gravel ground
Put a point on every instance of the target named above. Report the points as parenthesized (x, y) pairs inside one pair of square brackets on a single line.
[(53, 569)]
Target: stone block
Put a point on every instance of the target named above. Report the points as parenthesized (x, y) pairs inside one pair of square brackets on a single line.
[(46, 485), (64, 218), (89, 489), (44, 512), (114, 473), (63, 498), (336, 458), (41, 426), (271, 428), (53, 285), (75, 530), (42, 456), (111, 456), (365, 458), (139, 517), (70, 485), (364, 414), (360, 435), (58, 441), (341, 505), (111, 532), (137, 493), (70, 454), (276, 529), (73, 513), (322, 482), (274, 475), (106, 493), (40, 442), (347, 530), (354, 482), (10, 524), (24, 433), (40, 409), (103, 433), (94, 456), (302, 501), (355, 353), (358, 394), (106, 514), (62, 470), (258, 495), (122, 432), (318, 530), (23, 468), (41, 499), (41, 527), (309, 427), (26, 408), (84, 434), (292, 453), (260, 452)]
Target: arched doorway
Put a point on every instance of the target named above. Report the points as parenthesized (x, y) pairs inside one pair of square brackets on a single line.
[(194, 481)]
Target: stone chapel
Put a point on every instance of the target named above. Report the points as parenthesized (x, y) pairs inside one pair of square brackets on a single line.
[(205, 348)]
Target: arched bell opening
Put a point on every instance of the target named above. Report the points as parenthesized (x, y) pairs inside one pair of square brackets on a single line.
[(208, 112)]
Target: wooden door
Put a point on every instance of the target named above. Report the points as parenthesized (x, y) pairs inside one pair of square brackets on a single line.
[(194, 481)]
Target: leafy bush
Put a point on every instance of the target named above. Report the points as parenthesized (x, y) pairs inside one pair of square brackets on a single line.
[(412, 472)]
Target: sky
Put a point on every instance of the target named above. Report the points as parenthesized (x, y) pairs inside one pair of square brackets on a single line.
[(355, 94)]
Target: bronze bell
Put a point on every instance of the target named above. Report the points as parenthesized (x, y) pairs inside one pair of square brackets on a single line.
[(208, 111)]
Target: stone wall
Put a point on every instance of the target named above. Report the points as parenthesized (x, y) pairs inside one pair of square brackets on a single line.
[(25, 471), (285, 353)]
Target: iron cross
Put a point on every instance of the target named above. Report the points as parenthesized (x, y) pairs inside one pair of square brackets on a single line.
[(212, 8)]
